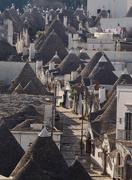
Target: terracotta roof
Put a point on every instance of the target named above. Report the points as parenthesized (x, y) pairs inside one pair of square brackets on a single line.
[(18, 90), (24, 77), (102, 73), (108, 117), (31, 171), (71, 18), (92, 63), (60, 29), (10, 151), (129, 12), (124, 77), (76, 172), (70, 63), (6, 51), (46, 154), (52, 44)]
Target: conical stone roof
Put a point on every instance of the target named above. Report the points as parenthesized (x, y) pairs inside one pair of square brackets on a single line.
[(80, 14), (31, 171), (27, 111), (108, 117), (102, 73), (60, 29), (31, 89), (83, 55), (30, 19), (124, 77), (18, 90), (46, 154), (40, 41), (76, 172), (24, 77), (70, 63), (25, 126), (102, 14), (7, 51), (38, 18), (10, 151), (52, 44), (55, 59), (72, 20), (13, 15), (92, 63)]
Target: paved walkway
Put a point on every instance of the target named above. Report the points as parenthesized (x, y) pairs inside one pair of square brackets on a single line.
[(72, 127)]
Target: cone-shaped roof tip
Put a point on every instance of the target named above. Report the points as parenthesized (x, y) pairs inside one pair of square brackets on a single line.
[(56, 55), (44, 133), (103, 59), (72, 51), (125, 72), (82, 51)]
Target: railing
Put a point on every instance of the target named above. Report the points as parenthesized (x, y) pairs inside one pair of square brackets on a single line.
[(124, 135)]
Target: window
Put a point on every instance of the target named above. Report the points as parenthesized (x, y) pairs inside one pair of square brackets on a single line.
[(128, 126)]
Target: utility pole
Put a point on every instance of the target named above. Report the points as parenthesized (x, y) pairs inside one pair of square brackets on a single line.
[(53, 109), (82, 119), (105, 152)]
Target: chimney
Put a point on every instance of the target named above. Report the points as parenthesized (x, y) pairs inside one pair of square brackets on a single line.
[(31, 51), (102, 94), (65, 21), (74, 75)]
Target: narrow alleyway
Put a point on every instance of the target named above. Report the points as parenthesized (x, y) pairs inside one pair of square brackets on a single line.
[(70, 143)]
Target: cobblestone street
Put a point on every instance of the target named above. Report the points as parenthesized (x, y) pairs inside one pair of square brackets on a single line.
[(70, 143)]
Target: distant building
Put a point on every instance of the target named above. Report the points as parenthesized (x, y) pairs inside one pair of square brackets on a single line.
[(112, 6), (124, 132)]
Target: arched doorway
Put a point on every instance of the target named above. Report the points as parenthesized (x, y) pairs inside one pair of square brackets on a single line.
[(88, 143), (128, 168)]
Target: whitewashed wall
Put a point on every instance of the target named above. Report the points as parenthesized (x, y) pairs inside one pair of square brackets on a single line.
[(112, 23), (112, 5), (92, 43), (25, 138)]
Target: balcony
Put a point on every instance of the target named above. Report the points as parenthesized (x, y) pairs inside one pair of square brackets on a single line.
[(124, 135)]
